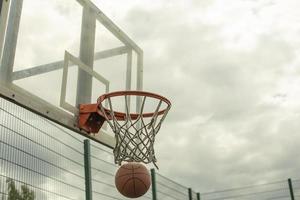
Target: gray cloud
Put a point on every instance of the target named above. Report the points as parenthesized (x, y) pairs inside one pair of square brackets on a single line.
[(222, 66), (221, 132)]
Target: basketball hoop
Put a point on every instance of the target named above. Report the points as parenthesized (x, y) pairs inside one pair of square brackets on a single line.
[(134, 131)]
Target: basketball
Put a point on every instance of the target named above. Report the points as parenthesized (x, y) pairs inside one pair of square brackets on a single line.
[(132, 180)]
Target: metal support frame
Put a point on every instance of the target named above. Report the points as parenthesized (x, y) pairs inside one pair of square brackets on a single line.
[(139, 78), (3, 22), (129, 70), (153, 182), (86, 55), (190, 191), (69, 58), (41, 69), (291, 189), (112, 27), (10, 41), (87, 170), (91, 14)]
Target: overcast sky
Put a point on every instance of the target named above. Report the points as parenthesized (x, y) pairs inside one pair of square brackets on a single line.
[(230, 69)]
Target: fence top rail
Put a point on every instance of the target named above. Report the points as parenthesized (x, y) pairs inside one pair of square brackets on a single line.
[(245, 187), (168, 179)]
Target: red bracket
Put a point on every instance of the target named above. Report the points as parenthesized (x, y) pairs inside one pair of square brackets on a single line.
[(89, 119)]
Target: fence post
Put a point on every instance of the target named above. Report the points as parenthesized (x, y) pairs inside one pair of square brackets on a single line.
[(153, 180), (198, 196), (291, 189), (190, 194), (87, 170)]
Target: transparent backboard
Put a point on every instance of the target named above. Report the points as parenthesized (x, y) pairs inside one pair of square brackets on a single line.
[(56, 55)]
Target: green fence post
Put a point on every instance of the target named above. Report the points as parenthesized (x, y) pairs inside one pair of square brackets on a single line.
[(190, 194), (291, 189), (198, 196), (87, 170), (153, 181)]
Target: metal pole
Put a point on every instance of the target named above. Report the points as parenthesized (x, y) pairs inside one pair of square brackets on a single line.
[(190, 194), (87, 170), (291, 189), (153, 179), (86, 55), (198, 196), (129, 70), (139, 84), (4, 7), (10, 42), (1, 2)]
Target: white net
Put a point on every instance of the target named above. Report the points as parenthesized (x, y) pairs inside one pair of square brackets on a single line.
[(135, 133)]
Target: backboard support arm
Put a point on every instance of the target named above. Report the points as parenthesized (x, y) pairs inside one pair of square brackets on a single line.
[(3, 21), (87, 48), (10, 42)]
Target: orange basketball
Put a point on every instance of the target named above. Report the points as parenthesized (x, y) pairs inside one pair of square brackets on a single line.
[(132, 180)]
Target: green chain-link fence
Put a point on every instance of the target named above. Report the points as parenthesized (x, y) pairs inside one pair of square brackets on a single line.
[(51, 162)]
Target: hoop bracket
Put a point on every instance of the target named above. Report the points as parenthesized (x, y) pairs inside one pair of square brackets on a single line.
[(89, 118)]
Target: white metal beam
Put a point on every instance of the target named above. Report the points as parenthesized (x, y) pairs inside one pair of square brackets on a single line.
[(41, 107), (113, 28), (139, 83), (86, 55), (10, 42), (3, 23), (72, 59), (128, 71), (111, 52), (41, 69)]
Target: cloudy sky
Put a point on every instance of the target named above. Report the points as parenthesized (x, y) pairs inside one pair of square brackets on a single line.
[(232, 72), (230, 69)]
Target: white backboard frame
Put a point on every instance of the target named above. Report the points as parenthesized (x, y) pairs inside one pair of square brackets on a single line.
[(65, 115)]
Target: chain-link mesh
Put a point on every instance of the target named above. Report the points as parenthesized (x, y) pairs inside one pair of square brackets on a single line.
[(103, 171), (268, 191), (48, 159), (38, 155), (135, 133), (296, 187), (194, 195), (168, 189)]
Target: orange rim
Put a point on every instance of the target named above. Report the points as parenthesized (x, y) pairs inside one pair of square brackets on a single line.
[(122, 115)]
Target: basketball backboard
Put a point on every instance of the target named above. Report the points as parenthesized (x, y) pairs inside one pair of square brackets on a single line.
[(56, 55)]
